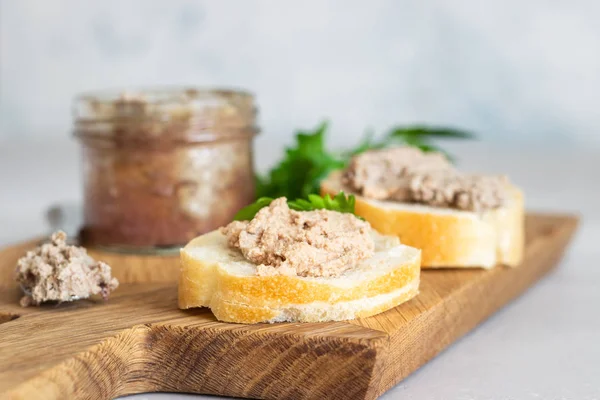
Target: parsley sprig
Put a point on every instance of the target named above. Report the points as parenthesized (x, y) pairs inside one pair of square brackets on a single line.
[(302, 168), (308, 162), (419, 136), (340, 203)]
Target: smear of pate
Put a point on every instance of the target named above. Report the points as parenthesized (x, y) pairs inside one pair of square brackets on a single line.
[(407, 174), (318, 243), (56, 271)]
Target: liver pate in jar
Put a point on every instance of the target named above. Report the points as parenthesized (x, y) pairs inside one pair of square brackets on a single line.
[(163, 166)]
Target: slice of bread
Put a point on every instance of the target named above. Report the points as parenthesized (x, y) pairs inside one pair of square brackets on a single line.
[(449, 238), (214, 275)]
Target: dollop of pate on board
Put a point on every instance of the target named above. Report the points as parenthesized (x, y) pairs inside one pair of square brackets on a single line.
[(407, 174), (57, 271), (319, 243)]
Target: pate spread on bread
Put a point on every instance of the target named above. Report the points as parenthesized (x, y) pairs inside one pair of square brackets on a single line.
[(300, 266), (407, 174), (456, 219), (281, 241)]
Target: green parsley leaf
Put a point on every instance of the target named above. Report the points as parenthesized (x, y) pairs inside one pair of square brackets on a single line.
[(340, 203), (419, 136), (248, 212), (416, 131), (302, 169)]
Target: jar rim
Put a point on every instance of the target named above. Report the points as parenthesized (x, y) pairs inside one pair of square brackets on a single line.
[(114, 92), (157, 102), (165, 113)]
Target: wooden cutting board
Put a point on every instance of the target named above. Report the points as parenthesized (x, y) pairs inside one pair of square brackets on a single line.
[(139, 341)]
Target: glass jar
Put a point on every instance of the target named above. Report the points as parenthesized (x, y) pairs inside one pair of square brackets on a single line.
[(162, 166)]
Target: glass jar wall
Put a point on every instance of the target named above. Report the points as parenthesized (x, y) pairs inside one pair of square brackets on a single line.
[(163, 166)]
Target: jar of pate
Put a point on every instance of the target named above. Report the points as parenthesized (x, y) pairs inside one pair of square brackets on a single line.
[(162, 166)]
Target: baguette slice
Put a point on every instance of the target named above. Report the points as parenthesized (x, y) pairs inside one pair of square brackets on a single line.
[(449, 238), (214, 275)]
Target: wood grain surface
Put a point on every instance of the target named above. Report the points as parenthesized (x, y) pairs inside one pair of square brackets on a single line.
[(139, 341)]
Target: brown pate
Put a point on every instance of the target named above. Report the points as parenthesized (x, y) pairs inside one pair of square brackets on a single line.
[(407, 174), (318, 243), (162, 167), (60, 272)]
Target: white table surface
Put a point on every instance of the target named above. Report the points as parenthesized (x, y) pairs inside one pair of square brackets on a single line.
[(543, 345)]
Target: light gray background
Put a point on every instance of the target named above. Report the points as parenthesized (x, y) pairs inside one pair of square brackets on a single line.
[(518, 71), (522, 74)]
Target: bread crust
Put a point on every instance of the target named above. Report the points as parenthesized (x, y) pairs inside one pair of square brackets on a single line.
[(252, 298), (242, 313), (448, 238)]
